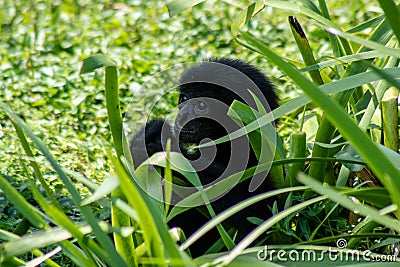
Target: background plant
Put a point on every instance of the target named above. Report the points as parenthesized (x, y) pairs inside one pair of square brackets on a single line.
[(64, 130)]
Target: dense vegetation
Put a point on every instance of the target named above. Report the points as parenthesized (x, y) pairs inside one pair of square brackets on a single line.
[(60, 132)]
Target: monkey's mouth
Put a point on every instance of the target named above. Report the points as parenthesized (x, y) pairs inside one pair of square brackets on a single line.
[(190, 135), (200, 132)]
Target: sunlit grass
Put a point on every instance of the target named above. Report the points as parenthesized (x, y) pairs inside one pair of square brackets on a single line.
[(61, 132)]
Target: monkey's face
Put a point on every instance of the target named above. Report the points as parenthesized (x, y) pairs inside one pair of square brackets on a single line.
[(202, 113)]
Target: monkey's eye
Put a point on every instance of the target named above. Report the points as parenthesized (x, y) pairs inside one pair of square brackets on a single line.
[(201, 106), (183, 98)]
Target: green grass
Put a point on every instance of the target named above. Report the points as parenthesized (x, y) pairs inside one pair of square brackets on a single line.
[(62, 142)]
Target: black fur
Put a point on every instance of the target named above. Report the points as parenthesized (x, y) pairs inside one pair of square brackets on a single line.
[(218, 79)]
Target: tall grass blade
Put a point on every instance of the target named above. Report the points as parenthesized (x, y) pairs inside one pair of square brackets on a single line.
[(330, 88), (124, 245), (86, 212), (392, 14), (305, 49), (349, 204), (245, 16), (375, 159), (29, 211)]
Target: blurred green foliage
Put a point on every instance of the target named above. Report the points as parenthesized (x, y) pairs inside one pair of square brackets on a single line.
[(42, 46), (43, 43)]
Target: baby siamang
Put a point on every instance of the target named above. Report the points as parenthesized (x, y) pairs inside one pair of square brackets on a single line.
[(206, 92)]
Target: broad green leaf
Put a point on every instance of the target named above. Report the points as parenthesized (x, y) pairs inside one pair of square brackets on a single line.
[(94, 62), (262, 142), (348, 152)]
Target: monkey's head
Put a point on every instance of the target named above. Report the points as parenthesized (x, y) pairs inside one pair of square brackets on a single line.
[(203, 111), (206, 92)]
